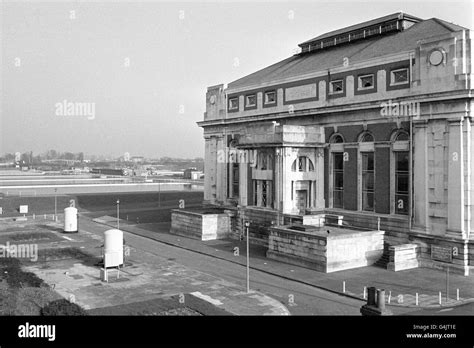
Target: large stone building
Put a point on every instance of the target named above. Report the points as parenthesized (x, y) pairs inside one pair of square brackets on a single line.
[(370, 124)]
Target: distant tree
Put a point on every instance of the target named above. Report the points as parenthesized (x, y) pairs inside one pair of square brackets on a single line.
[(68, 156), (51, 154), (9, 156)]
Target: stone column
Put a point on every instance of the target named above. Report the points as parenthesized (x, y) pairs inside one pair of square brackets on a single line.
[(221, 171), (243, 181), (455, 179), (277, 170), (420, 175), (319, 184), (207, 168), (286, 183), (210, 169)]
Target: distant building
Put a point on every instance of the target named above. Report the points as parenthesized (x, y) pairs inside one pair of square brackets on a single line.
[(107, 171), (372, 122), (192, 174), (137, 159)]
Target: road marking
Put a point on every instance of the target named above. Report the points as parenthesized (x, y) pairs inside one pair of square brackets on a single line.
[(207, 298), (72, 240), (446, 310)]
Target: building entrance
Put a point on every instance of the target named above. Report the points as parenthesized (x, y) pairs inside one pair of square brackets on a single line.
[(301, 199)]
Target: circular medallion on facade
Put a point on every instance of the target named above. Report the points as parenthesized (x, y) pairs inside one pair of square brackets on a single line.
[(212, 99), (322, 242), (436, 57)]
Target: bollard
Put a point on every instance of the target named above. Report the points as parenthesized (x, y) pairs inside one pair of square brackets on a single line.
[(389, 296), (457, 294), (381, 299), (34, 217), (344, 287), (371, 296), (416, 299), (440, 298), (365, 292), (45, 216)]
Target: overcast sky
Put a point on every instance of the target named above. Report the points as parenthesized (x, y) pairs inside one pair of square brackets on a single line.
[(146, 65)]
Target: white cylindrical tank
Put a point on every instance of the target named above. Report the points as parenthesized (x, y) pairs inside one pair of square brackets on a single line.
[(70, 219), (113, 243)]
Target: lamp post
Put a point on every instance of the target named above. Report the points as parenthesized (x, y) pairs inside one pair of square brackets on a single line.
[(247, 224), (118, 214)]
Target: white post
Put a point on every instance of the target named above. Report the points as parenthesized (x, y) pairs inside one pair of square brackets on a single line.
[(365, 292), (440, 297), (457, 294), (248, 263), (344, 286), (389, 296), (118, 217), (416, 299)]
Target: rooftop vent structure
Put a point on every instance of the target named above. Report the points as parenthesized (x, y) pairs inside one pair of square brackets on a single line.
[(376, 27)]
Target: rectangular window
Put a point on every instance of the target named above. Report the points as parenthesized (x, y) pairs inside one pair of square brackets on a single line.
[(263, 193), (235, 180), (399, 76), (401, 182), (270, 97), (366, 82), (338, 180), (234, 104), (368, 176), (255, 192), (250, 100), (336, 87)]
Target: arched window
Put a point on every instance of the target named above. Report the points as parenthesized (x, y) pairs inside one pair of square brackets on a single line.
[(302, 164), (402, 136), (336, 139), (367, 138)]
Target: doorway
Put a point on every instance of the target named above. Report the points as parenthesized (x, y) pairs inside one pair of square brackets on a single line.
[(301, 199)]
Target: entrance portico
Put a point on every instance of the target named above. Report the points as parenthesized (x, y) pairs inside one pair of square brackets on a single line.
[(287, 170)]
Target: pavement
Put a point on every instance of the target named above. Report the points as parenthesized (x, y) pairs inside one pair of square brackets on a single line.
[(401, 288), (146, 275)]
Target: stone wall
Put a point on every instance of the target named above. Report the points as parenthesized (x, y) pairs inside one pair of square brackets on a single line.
[(203, 226), (325, 252), (260, 219)]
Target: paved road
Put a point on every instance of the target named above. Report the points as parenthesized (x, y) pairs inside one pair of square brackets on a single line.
[(307, 300), (466, 309)]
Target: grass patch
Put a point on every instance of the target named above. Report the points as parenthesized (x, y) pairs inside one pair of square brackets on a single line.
[(62, 307), (55, 254), (10, 270), (32, 236)]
